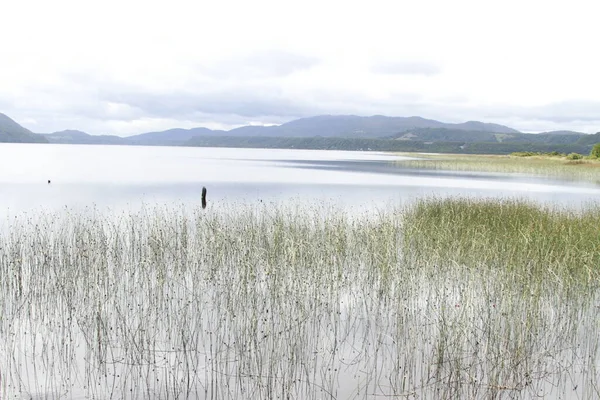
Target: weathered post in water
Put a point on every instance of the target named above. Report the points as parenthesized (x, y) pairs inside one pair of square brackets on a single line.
[(203, 197)]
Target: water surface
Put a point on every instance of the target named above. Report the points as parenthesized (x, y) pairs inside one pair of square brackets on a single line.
[(128, 176)]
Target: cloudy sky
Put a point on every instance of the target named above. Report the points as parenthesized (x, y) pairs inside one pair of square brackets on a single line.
[(130, 66)]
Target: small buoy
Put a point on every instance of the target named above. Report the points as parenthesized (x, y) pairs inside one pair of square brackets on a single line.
[(203, 197)]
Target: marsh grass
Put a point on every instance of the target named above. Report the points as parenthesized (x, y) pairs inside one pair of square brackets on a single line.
[(539, 242), (298, 302), (556, 167)]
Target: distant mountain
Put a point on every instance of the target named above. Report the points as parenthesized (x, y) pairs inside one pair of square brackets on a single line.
[(449, 135), (483, 127), (562, 133), (170, 137), (11, 132), (362, 144), (348, 132), (72, 134), (352, 126), (461, 135), (79, 137), (252, 130), (589, 139), (342, 126), (546, 138)]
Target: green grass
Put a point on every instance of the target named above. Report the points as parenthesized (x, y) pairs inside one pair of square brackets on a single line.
[(442, 299), (539, 243), (549, 166)]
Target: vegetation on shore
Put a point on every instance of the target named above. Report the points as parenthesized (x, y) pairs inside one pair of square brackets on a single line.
[(441, 299), (536, 242), (595, 153), (555, 165), (382, 144)]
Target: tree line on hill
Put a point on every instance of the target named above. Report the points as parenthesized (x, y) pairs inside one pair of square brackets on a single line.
[(376, 133)]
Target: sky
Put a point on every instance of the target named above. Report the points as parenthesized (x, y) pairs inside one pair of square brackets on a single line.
[(124, 67)]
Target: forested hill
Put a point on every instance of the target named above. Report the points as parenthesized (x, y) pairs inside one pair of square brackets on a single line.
[(11, 132), (432, 146), (345, 132), (344, 126)]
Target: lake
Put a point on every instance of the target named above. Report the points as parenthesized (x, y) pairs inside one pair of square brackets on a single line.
[(117, 177)]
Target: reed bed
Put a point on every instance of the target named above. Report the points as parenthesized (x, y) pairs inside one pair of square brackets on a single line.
[(299, 303), (540, 242), (586, 170)]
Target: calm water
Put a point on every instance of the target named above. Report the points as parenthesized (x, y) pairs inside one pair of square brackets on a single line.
[(118, 177)]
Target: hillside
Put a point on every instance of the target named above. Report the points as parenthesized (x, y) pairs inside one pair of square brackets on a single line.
[(448, 135), (366, 144), (11, 132), (170, 137), (460, 135), (344, 132), (79, 137), (334, 126), (351, 126)]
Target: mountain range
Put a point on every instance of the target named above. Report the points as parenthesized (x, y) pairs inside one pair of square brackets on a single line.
[(334, 131), (11, 132)]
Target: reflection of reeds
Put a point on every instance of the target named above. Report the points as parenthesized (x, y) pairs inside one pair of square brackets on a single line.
[(582, 170), (443, 299)]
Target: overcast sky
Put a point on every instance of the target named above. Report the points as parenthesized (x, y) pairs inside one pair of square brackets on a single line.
[(127, 66)]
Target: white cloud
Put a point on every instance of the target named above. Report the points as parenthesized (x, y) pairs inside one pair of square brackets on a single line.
[(407, 68), (129, 66)]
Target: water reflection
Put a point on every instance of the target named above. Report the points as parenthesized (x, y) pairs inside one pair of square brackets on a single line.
[(125, 177)]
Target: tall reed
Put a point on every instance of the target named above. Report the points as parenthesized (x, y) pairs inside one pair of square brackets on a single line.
[(429, 301)]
